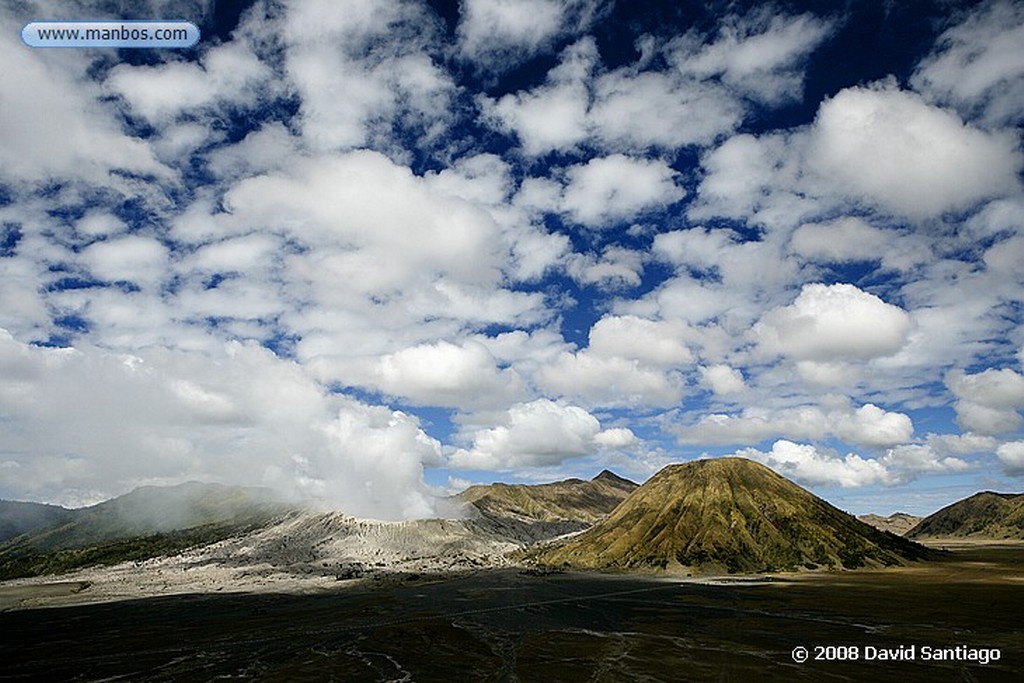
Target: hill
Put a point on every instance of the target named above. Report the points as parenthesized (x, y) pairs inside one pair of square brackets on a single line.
[(146, 522), (898, 523), (17, 518), (727, 514), (536, 511), (983, 515)]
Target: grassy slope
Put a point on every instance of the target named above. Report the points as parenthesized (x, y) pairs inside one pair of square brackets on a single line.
[(17, 518), (570, 500), (728, 514), (983, 515)]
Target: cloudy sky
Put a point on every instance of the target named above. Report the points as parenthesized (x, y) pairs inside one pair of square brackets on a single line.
[(372, 251)]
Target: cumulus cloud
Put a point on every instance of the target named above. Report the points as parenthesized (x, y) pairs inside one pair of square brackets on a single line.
[(812, 465), (809, 465), (616, 188), (759, 54), (616, 267), (891, 149), (867, 425), (638, 110), (976, 67), (705, 92), (609, 381), (230, 73), (55, 126), (842, 240), (135, 259), (498, 34), (537, 434), (654, 342), (1011, 457), (988, 402), (88, 424), (833, 322), (722, 379), (375, 56), (446, 374)]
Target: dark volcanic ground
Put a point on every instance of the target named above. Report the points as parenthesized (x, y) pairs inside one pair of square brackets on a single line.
[(505, 626)]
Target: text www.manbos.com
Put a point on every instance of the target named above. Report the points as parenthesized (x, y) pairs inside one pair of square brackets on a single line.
[(175, 34)]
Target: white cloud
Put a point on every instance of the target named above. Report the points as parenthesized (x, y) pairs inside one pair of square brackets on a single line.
[(1011, 457), (229, 73), (976, 66), (535, 434), (616, 267), (891, 149), (961, 444), (722, 379), (616, 188), (54, 124), (867, 425), (635, 111), (809, 465), (842, 240), (988, 402), (553, 116), (701, 96), (616, 437), (823, 467), (497, 34), (373, 55), (596, 380), (260, 151), (759, 54), (446, 374), (828, 322), (89, 424), (654, 342), (140, 260)]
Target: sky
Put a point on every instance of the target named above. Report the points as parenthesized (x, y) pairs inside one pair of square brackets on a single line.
[(373, 251)]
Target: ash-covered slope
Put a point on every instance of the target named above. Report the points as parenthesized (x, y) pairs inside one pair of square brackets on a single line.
[(728, 514), (147, 522), (539, 511), (983, 515), (150, 510), (898, 523)]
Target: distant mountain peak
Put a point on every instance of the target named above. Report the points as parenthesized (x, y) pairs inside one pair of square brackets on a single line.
[(612, 478)]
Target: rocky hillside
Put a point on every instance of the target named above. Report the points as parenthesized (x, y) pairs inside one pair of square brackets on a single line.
[(539, 511), (727, 514), (983, 515), (898, 523), (146, 522)]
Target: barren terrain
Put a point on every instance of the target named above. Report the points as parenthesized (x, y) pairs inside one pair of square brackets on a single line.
[(511, 625)]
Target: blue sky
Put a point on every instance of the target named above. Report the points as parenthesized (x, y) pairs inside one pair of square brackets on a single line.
[(372, 252)]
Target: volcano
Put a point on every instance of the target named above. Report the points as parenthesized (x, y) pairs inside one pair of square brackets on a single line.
[(727, 515)]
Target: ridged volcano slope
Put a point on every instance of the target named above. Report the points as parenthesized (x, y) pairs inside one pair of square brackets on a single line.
[(728, 514), (983, 515), (572, 500)]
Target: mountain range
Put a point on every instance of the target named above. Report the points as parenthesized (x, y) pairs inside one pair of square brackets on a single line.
[(707, 516), (898, 523)]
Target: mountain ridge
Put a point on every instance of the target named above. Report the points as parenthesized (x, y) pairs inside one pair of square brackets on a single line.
[(984, 515)]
